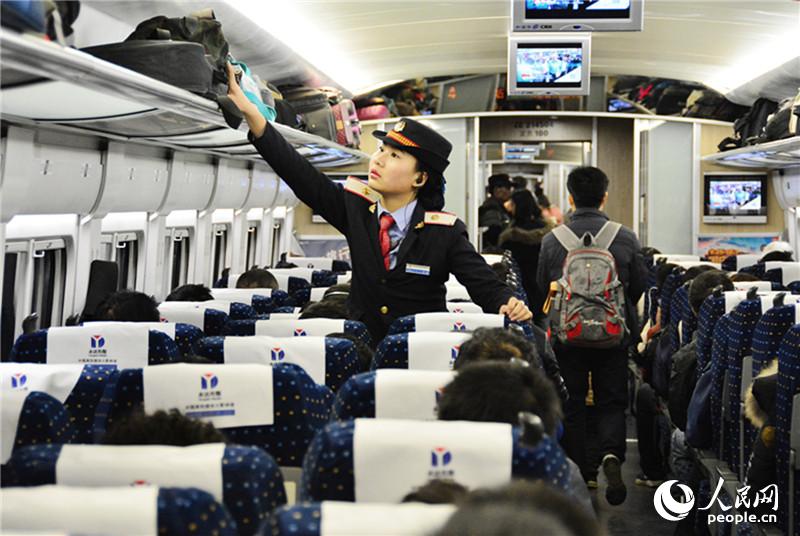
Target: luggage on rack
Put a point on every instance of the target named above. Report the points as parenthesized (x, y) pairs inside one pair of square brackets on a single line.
[(749, 128), (312, 104), (673, 100), (783, 123), (375, 108), (348, 128)]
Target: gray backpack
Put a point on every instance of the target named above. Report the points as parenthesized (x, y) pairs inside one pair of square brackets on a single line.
[(586, 306)]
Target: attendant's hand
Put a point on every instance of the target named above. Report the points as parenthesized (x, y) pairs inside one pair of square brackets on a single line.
[(516, 310), (252, 115)]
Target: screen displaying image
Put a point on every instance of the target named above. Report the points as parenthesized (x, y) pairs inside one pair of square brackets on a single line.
[(546, 65), (577, 9), (734, 197)]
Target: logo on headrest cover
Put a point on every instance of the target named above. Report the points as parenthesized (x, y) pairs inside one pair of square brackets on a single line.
[(441, 457), (300, 332), (97, 341), (454, 354), (459, 326), (18, 380), (208, 381), (277, 354)]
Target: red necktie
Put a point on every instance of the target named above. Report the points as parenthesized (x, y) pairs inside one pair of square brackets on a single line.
[(386, 221)]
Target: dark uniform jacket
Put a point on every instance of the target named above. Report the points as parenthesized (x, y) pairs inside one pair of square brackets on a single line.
[(436, 245), (625, 249)]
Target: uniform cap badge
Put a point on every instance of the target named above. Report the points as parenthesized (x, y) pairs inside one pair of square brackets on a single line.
[(400, 126)]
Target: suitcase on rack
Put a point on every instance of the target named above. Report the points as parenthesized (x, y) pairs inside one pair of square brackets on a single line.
[(348, 128), (312, 105)]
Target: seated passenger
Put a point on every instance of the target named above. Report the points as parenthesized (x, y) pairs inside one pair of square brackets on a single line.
[(365, 353), (327, 308), (759, 409), (128, 306), (743, 277), (162, 428), (257, 278), (437, 492), (777, 251), (190, 293), (528, 507), (340, 291)]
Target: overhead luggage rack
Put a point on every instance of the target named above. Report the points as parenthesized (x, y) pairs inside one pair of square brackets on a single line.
[(774, 154), (59, 88)]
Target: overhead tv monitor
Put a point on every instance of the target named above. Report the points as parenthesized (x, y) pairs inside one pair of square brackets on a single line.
[(576, 15), (471, 94), (735, 198), (549, 65)]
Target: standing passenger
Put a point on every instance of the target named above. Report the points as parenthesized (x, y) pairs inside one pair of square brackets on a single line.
[(491, 213), (588, 188), (403, 249)]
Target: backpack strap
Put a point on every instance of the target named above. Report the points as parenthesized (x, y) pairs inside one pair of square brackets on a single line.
[(605, 236), (567, 238)]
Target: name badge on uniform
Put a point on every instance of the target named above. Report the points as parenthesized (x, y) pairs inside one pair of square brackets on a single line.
[(419, 269)]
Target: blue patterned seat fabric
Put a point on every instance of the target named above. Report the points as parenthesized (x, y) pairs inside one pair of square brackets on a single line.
[(252, 481), (676, 312), (186, 336), (341, 358), (710, 312), (301, 408), (743, 320), (248, 327), (768, 334), (32, 348), (328, 473), (356, 398), (42, 421), (407, 324), (719, 364), (788, 386)]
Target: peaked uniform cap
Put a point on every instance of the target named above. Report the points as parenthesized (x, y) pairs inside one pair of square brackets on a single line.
[(424, 143)]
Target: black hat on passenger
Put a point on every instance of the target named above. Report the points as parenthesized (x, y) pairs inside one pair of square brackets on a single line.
[(500, 180), (424, 143)]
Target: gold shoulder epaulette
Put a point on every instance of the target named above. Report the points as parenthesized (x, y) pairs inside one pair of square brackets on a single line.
[(361, 189), (440, 218)]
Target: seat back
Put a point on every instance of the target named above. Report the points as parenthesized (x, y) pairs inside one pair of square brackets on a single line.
[(381, 460), (31, 418), (359, 519), (140, 510), (391, 394), (327, 360), (203, 315), (419, 351), (246, 480), (315, 263), (125, 344), (184, 335), (276, 408), (787, 389), (783, 273), (457, 291), (463, 307), (260, 299), (734, 263), (296, 327), (446, 322), (78, 387)]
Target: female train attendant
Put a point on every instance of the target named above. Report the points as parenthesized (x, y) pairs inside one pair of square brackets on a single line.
[(401, 246)]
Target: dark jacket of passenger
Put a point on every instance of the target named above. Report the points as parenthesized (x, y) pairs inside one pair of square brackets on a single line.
[(760, 411), (492, 215), (525, 243), (625, 249)]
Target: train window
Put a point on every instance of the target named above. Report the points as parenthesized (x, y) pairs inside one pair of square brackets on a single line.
[(8, 314), (49, 281), (220, 249), (123, 249), (178, 244), (252, 243)]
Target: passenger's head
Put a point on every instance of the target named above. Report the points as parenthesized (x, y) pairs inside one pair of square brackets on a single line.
[(192, 293), (743, 277), (340, 291), (437, 492), (365, 353), (704, 284), (588, 187), (502, 520), (257, 278), (495, 344), (519, 183), (778, 256), (162, 428), (662, 271), (523, 207), (129, 306), (777, 251), (500, 186), (694, 271), (328, 308), (498, 392), (410, 161), (541, 198), (523, 495)]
